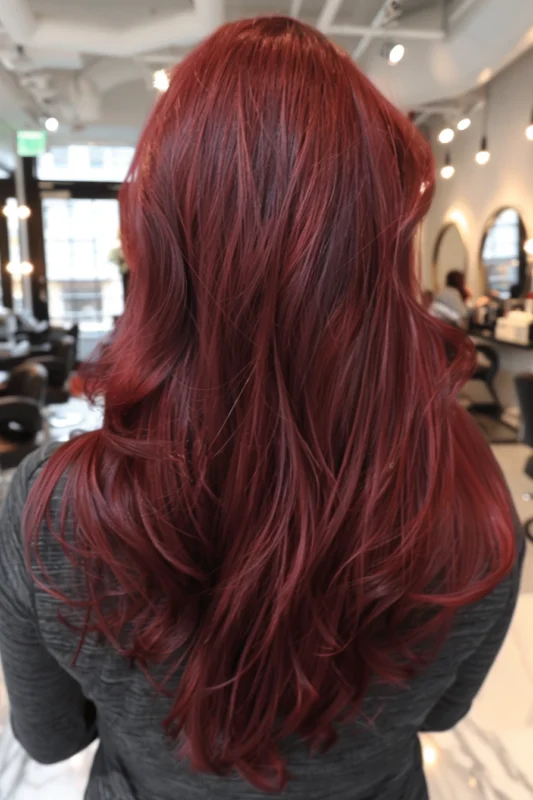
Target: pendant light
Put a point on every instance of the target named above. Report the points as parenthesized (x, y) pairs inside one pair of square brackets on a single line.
[(448, 169), (446, 135), (464, 123), (483, 154), (529, 129)]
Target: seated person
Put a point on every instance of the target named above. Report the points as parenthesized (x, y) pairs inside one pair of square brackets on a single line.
[(8, 325), (453, 304), (27, 323)]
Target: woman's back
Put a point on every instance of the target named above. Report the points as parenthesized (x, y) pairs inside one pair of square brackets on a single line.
[(376, 757), (286, 516)]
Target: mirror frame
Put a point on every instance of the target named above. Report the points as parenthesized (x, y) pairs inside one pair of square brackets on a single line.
[(522, 255), (445, 227)]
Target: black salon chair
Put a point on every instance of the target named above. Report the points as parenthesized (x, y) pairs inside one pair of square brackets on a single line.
[(32, 329), (59, 365), (20, 413), (41, 335), (487, 366), (28, 380), (524, 390)]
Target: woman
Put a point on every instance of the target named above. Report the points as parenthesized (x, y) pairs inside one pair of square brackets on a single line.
[(288, 550), (451, 305)]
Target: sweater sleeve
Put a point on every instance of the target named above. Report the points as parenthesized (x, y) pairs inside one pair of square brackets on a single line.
[(51, 718), (498, 609)]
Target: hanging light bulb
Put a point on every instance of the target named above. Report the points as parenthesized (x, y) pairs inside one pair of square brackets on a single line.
[(483, 154), (23, 212), (529, 129), (26, 268), (161, 80), (448, 170), (464, 123), (446, 135)]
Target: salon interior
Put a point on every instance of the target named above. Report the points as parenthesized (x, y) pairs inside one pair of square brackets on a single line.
[(77, 81)]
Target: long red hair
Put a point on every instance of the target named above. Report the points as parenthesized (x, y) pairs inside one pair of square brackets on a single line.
[(285, 501)]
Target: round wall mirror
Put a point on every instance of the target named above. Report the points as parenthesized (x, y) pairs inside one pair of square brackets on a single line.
[(449, 254), (503, 258)]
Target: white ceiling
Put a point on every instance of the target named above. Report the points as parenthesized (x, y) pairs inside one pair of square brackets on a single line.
[(90, 62), (114, 13)]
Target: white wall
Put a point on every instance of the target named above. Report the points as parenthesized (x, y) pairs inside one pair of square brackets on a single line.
[(475, 192)]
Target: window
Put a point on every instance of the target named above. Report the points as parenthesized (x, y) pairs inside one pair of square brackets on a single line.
[(85, 163), (60, 157), (84, 287), (96, 157), (501, 253)]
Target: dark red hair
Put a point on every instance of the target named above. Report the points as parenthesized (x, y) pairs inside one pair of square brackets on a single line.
[(285, 501)]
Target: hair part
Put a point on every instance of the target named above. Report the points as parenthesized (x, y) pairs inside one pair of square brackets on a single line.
[(285, 500)]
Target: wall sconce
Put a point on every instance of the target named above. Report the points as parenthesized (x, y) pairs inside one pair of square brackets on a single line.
[(20, 212), (19, 270)]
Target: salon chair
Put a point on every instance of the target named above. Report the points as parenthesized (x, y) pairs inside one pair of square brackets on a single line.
[(59, 365), (487, 366), (20, 413), (524, 390)]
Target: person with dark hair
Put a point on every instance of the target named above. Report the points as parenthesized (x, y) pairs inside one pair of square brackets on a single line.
[(450, 304), (288, 550)]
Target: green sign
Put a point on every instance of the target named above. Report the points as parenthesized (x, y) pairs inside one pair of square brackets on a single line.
[(31, 143)]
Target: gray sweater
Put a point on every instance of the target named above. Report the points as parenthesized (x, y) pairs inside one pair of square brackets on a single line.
[(58, 709)]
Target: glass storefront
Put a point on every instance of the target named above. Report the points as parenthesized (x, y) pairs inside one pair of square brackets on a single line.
[(85, 163), (84, 287)]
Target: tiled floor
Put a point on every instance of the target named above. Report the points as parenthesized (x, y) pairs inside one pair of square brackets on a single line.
[(487, 757)]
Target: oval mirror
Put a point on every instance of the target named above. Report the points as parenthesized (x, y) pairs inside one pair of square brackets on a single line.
[(449, 254), (502, 257)]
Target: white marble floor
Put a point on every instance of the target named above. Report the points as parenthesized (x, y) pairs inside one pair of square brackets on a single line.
[(487, 757)]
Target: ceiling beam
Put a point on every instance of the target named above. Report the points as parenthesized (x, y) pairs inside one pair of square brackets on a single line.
[(182, 28), (296, 7), (328, 14), (429, 34), (377, 21), (461, 10)]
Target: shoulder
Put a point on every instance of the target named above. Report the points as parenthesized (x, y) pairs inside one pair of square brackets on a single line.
[(11, 534), (14, 576), (28, 472)]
